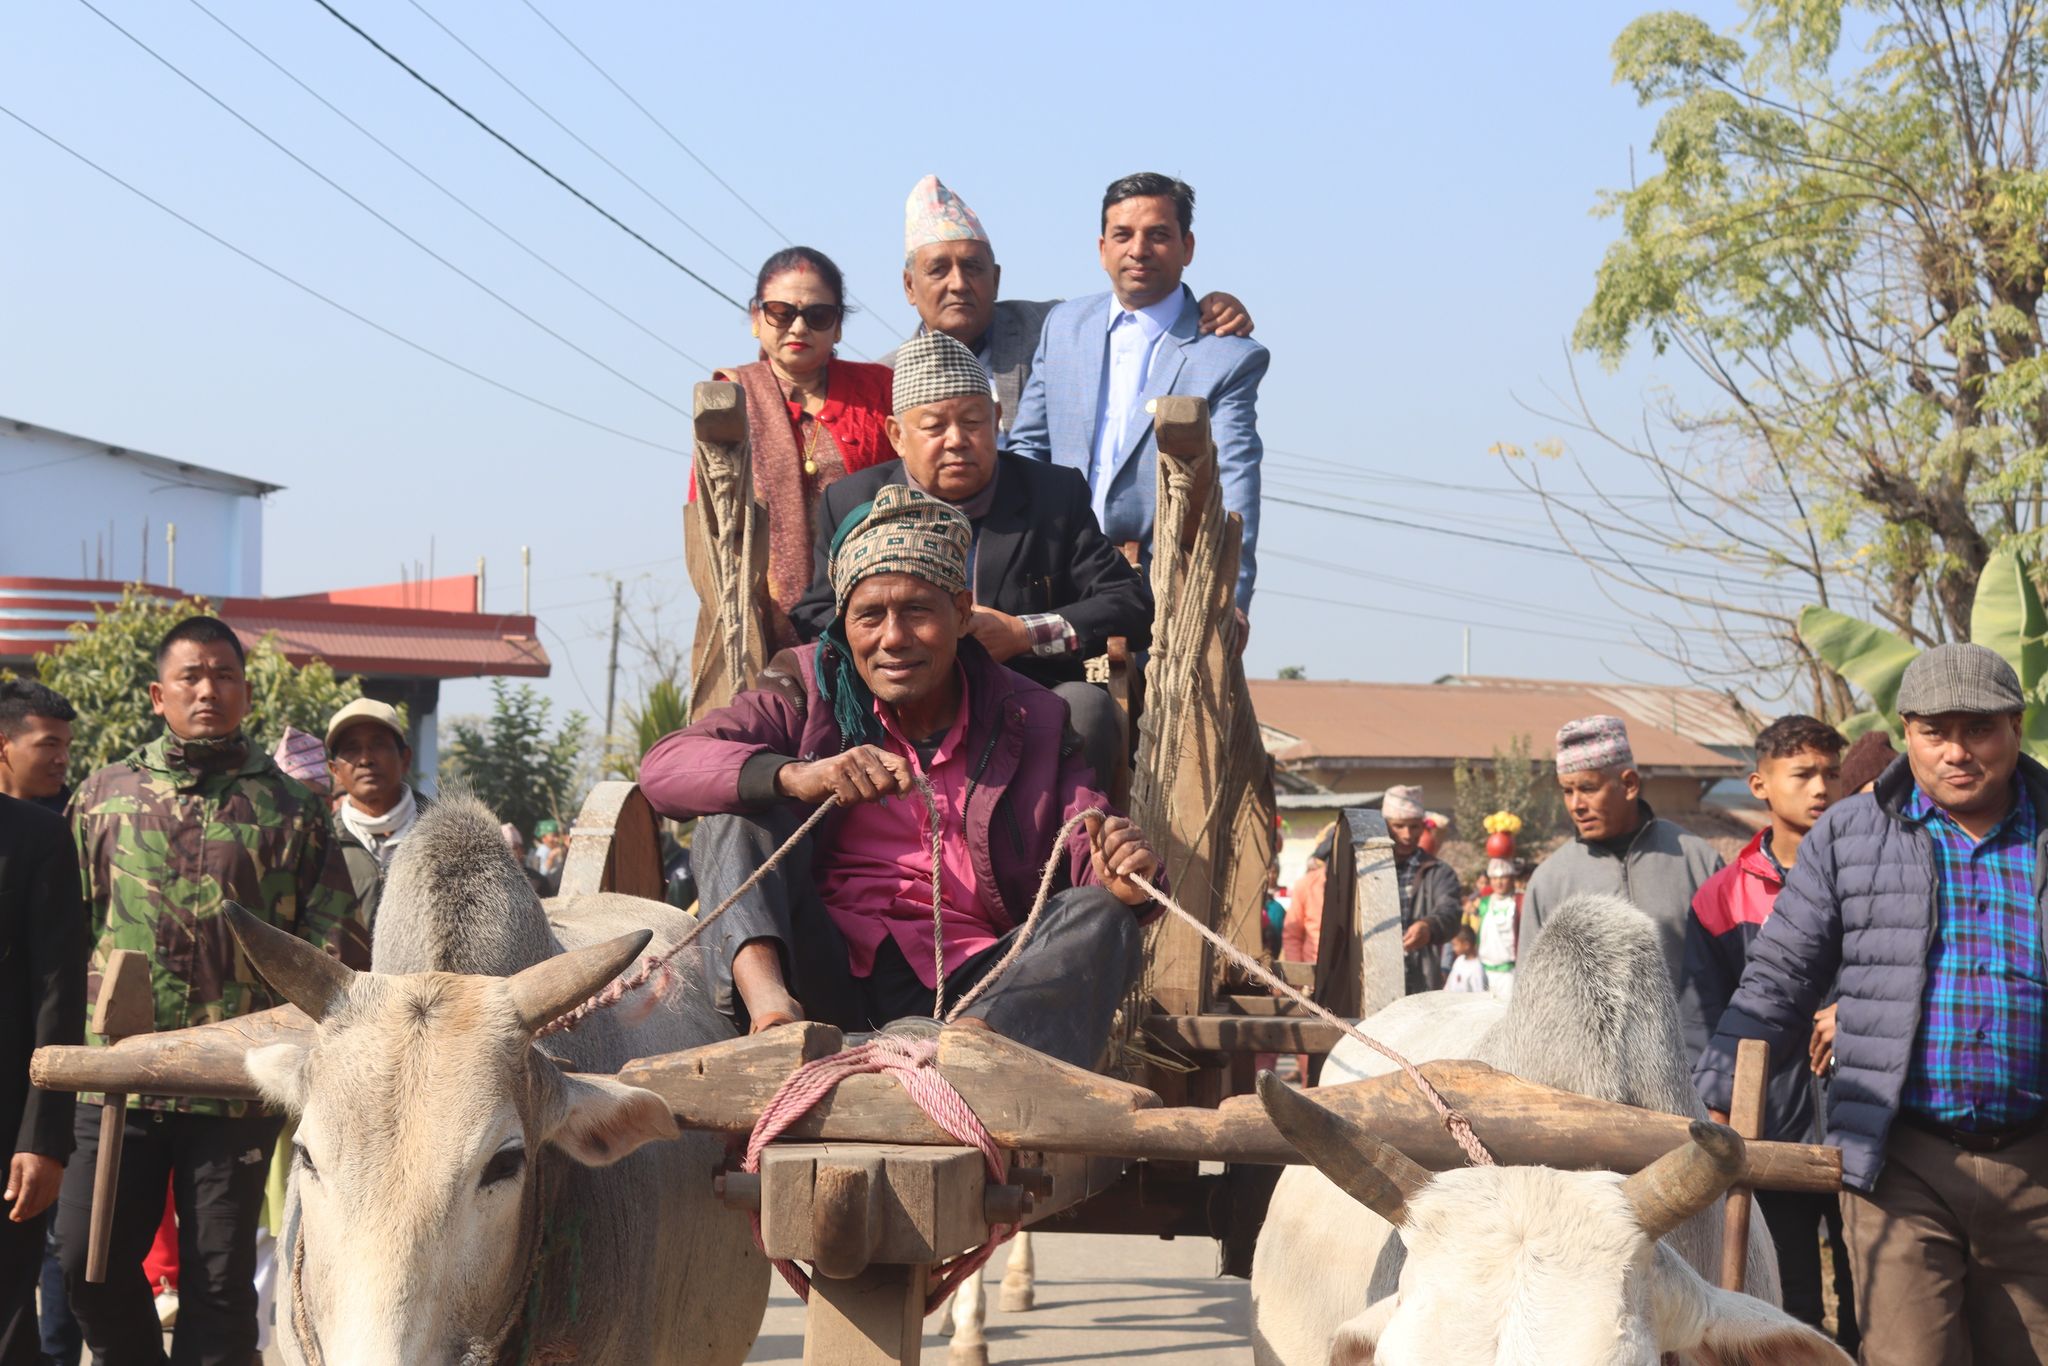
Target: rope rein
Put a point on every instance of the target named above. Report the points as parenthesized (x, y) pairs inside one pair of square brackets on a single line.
[(1454, 1122)]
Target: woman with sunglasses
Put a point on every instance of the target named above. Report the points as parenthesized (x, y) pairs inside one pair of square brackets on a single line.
[(811, 418)]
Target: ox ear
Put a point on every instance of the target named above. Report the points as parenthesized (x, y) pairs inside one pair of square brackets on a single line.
[(279, 1071), (1358, 1339), (597, 1119), (1704, 1325)]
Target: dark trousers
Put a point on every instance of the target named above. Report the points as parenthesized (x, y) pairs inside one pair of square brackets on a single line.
[(1094, 715), (1797, 1221), (21, 1258), (1059, 997), (62, 1342), (216, 1169)]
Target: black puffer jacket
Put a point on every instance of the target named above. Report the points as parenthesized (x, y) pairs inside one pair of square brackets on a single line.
[(1861, 901)]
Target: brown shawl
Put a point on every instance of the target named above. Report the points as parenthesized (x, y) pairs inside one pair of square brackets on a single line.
[(786, 493)]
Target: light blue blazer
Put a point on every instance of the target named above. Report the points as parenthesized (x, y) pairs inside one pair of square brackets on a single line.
[(1056, 418)]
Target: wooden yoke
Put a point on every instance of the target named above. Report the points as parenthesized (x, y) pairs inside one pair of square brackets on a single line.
[(725, 547), (125, 1007)]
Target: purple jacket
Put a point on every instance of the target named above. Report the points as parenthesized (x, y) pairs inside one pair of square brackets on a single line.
[(1027, 775)]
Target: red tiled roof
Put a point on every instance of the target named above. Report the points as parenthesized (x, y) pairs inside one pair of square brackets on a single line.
[(1409, 723), (352, 639)]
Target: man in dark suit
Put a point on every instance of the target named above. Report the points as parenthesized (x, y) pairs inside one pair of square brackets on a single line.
[(42, 1001), (950, 277), (1049, 589)]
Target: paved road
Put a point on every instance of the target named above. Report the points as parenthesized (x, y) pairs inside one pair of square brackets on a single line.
[(1099, 1299)]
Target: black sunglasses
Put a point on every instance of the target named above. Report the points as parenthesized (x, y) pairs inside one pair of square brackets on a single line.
[(817, 317)]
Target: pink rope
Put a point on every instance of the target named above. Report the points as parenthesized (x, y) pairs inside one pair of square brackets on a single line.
[(910, 1061)]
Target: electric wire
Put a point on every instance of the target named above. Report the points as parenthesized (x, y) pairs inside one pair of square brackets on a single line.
[(669, 133), (336, 304), (1446, 621), (523, 154), (578, 138), (457, 199), (364, 205)]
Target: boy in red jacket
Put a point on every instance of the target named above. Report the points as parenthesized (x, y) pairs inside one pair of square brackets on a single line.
[(1798, 776)]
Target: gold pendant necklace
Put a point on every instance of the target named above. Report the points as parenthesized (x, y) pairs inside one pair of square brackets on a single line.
[(811, 446)]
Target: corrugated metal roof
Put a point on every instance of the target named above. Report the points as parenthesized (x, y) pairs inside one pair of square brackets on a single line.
[(1405, 724), (379, 641), (182, 471), (1698, 714)]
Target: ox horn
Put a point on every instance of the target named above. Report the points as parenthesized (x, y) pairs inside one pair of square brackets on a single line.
[(555, 986), (1377, 1175), (1685, 1180), (309, 978)]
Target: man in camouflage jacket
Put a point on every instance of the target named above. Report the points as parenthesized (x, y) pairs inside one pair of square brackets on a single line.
[(166, 837)]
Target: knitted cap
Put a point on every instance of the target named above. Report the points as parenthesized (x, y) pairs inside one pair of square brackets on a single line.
[(1402, 804), (1864, 760), (1500, 867), (934, 213), (1593, 742), (932, 367), (1960, 678), (904, 531)]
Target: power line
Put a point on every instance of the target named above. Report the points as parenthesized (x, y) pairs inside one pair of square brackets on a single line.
[(522, 154), (475, 212), (669, 133), (1435, 590), (579, 140), (338, 306), (360, 203)]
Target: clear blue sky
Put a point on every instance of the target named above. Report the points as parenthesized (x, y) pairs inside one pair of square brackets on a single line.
[(1400, 193)]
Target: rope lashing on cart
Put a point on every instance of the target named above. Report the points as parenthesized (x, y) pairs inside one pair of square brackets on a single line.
[(912, 1063)]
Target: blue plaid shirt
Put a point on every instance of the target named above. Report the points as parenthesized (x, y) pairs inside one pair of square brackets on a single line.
[(1979, 1060)]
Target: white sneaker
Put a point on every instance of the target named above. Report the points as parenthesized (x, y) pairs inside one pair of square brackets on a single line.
[(167, 1306)]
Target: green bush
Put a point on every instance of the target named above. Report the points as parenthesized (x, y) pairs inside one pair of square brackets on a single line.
[(511, 763), (1512, 782), (109, 664)]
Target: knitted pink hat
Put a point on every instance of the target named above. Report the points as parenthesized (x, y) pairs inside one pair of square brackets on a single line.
[(1593, 742), (302, 756)]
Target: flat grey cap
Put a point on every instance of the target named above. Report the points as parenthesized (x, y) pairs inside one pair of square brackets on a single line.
[(1965, 678)]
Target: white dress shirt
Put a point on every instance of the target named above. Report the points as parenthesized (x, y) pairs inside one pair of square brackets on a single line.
[(1133, 340)]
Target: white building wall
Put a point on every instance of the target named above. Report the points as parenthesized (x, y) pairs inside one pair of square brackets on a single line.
[(91, 509)]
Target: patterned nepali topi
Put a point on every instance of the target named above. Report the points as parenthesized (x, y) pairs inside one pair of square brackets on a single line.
[(1593, 742), (1960, 678), (1402, 804), (903, 531), (933, 367), (934, 213), (302, 756)]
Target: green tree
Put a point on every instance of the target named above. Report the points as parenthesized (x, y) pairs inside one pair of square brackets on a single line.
[(1849, 250), (107, 668), (511, 762), (1291, 671), (665, 709), (1515, 782)]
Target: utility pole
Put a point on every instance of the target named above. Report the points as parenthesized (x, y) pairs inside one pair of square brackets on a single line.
[(1468, 652), (525, 581), (611, 676), (479, 583), (170, 554)]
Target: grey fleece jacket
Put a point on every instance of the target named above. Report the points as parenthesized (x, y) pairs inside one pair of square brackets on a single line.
[(1664, 867)]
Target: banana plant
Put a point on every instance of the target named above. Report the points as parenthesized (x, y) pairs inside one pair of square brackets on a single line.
[(2007, 616)]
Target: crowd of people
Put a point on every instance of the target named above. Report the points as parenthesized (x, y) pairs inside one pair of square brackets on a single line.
[(946, 538)]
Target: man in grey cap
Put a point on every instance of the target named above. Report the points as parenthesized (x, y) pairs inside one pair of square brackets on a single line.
[(1049, 589), (1924, 899), (369, 756)]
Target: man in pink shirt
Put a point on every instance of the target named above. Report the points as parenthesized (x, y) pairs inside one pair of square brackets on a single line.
[(842, 929)]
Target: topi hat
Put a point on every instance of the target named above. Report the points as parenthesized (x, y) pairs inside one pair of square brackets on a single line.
[(1960, 678), (932, 367), (934, 213), (1402, 804), (1593, 742), (903, 531)]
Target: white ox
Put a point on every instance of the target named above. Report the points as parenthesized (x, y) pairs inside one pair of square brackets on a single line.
[(463, 1196), (1519, 1265)]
